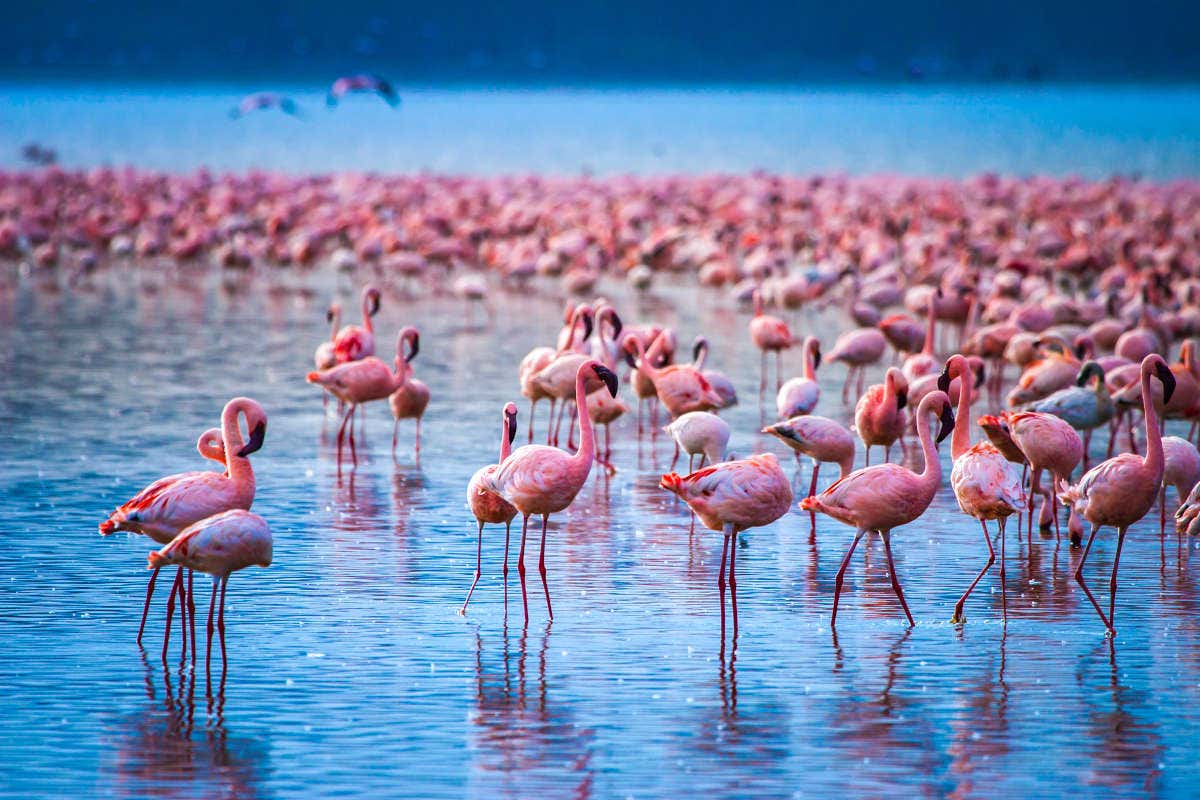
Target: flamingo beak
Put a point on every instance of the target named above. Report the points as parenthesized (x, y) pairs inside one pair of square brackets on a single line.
[(609, 378), (1168, 380), (630, 358), (947, 419), (979, 376), (329, 316), (817, 357), (512, 426), (616, 324), (414, 341), (256, 440), (697, 347), (587, 327), (943, 381), (374, 303)]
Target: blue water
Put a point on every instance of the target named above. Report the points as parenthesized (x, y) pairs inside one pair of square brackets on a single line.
[(1093, 131), (351, 674)]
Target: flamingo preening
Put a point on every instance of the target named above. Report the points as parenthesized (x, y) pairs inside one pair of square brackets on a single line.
[(354, 342), (374, 84)]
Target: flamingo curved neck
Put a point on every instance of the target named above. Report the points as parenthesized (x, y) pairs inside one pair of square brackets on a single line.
[(366, 313), (238, 466), (1154, 450), (587, 443), (932, 473), (809, 372), (336, 323), (961, 441)]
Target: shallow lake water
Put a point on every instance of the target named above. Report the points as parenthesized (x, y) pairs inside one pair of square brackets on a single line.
[(351, 673)]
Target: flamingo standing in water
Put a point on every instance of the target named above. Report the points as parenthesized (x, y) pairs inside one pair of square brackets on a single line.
[(822, 440), (556, 379), (731, 497), (680, 387), (886, 496), (800, 395), (487, 506), (1051, 444), (879, 414), (1121, 490), (1181, 469), (354, 342), (167, 506), (357, 382), (720, 382), (411, 399), (769, 334), (543, 480), (699, 433), (985, 483), (858, 349), (219, 546), (539, 358), (325, 356)]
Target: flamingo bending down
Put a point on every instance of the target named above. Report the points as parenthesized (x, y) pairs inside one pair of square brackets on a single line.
[(356, 382), (1050, 444), (769, 333), (985, 483), (879, 414), (353, 342), (720, 382), (819, 438), (858, 349), (680, 387), (411, 399), (1121, 490), (167, 506), (1181, 469), (362, 83), (538, 479), (800, 395), (699, 433), (886, 496), (219, 546), (487, 506), (731, 497)]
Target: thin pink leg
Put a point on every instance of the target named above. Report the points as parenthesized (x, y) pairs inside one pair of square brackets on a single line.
[(478, 567), (212, 604), (183, 617), (507, 532), (1003, 575), (733, 582), (841, 576), (221, 619), (958, 608), (521, 566), (887, 548), (395, 435), (542, 566), (175, 587), (721, 580), (1112, 584), (1079, 576), (146, 607), (191, 612), (812, 490), (532, 406)]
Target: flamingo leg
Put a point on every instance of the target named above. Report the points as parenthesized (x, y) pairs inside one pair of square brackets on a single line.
[(841, 576), (1079, 577), (550, 420), (395, 435), (478, 567), (342, 434), (691, 463), (507, 533), (675, 458), (733, 582), (958, 608), (191, 597), (887, 548), (778, 385), (1162, 512), (542, 566), (221, 619), (183, 609), (175, 587), (146, 607), (867, 455), (762, 383), (417, 446), (862, 376), (521, 566), (212, 603), (1003, 586), (721, 580), (1112, 584), (532, 407)]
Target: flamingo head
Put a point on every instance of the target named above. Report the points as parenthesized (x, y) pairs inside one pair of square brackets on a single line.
[(372, 296), (412, 337), (258, 432), (1164, 374), (815, 348), (510, 421), (943, 381), (335, 311), (700, 345), (782, 430), (947, 422), (608, 376), (614, 321), (1090, 369), (976, 364)]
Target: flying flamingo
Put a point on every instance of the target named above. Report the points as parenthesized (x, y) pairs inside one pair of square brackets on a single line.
[(219, 546), (699, 433), (487, 506), (353, 342), (1121, 490), (886, 496), (543, 480), (357, 382), (879, 414), (731, 497), (680, 387), (167, 506), (1181, 469), (858, 349), (264, 100), (1049, 444), (362, 83), (822, 440), (800, 395), (985, 483), (411, 399), (769, 334)]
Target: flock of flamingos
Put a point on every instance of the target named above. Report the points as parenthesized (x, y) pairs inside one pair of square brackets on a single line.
[(1085, 288)]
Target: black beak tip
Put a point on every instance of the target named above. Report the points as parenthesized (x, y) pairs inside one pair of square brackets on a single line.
[(947, 424), (980, 374), (1168, 381), (256, 440), (901, 400), (943, 381)]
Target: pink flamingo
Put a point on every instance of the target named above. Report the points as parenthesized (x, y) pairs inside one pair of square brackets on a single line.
[(362, 83), (264, 100), (903, 333), (879, 414), (719, 381), (699, 433), (357, 382), (732, 497), (353, 342), (1181, 469), (1051, 444), (800, 395), (325, 355), (1121, 490), (167, 506), (556, 380), (769, 334), (985, 483), (543, 480), (886, 496), (822, 440), (411, 399), (857, 349), (925, 362), (487, 506), (680, 387), (219, 546)]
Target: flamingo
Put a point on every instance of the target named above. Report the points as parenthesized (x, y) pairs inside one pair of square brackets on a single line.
[(170, 504), (264, 100), (879, 414), (1050, 444), (605, 409), (357, 382), (886, 496), (925, 362), (732, 497), (800, 395), (556, 379), (719, 381), (1057, 369), (985, 483), (661, 353), (857, 349), (219, 546), (769, 334), (325, 357), (487, 506), (353, 342), (1181, 469), (362, 83), (539, 358), (903, 333), (699, 433), (411, 399), (543, 480), (1121, 490), (819, 438), (680, 387)]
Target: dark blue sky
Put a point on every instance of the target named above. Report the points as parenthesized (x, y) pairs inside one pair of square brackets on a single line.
[(604, 41)]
